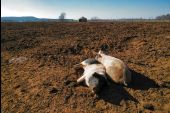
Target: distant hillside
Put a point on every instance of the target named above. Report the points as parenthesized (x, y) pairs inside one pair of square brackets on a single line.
[(22, 19), (32, 19)]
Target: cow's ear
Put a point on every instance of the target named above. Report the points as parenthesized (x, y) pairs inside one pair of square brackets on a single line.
[(100, 52)]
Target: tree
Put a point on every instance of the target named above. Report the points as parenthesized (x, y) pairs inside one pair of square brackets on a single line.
[(163, 17), (94, 18), (62, 16)]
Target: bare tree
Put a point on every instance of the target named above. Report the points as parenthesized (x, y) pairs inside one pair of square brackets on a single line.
[(95, 18), (62, 16)]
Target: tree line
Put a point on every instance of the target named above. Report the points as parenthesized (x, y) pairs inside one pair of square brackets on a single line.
[(163, 17)]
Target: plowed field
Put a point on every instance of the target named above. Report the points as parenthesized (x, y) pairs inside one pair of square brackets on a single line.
[(37, 74)]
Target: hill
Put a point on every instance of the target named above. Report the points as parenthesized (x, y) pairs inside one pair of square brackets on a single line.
[(22, 19), (32, 19)]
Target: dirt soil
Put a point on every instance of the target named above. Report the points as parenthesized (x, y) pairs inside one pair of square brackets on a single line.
[(37, 74)]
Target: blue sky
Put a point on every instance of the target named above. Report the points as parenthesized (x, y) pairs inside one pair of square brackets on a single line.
[(106, 9)]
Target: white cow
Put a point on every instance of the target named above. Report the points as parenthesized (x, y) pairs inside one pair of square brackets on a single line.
[(116, 69), (94, 74)]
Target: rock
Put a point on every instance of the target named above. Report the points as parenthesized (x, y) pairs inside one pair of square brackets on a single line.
[(17, 86), (66, 97), (53, 90), (67, 82), (148, 106), (46, 83), (70, 83), (96, 97), (73, 105), (73, 84), (83, 95), (74, 95), (17, 60), (41, 65), (23, 90), (164, 84), (161, 93), (92, 103), (122, 102), (140, 111)]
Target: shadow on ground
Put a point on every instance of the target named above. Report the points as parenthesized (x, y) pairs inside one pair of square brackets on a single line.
[(115, 93), (141, 82)]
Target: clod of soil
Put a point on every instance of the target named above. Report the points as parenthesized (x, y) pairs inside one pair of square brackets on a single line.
[(53, 90), (165, 84), (148, 106)]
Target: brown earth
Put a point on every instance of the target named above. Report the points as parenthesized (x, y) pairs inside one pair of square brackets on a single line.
[(37, 74)]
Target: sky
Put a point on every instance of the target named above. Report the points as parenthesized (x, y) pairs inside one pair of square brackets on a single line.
[(104, 9)]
